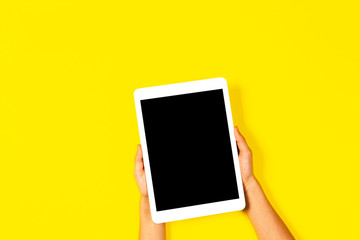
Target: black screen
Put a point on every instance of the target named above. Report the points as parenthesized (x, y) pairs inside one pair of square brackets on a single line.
[(189, 149)]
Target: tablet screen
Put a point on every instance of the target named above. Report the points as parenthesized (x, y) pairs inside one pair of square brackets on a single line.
[(189, 149)]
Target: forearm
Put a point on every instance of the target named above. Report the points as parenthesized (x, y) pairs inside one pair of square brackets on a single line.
[(148, 229), (265, 220)]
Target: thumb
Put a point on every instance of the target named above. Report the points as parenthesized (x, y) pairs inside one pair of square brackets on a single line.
[(241, 143)]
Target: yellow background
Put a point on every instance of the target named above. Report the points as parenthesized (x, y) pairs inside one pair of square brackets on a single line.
[(68, 129)]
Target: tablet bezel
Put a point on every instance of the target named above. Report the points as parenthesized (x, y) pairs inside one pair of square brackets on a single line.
[(197, 210)]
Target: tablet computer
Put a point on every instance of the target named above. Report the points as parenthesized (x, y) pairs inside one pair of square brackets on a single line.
[(189, 149)]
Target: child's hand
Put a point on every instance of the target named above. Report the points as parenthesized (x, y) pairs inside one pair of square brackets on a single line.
[(148, 229), (267, 223), (139, 172), (245, 158)]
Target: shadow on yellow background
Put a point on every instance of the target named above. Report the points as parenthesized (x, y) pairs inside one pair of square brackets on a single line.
[(68, 129)]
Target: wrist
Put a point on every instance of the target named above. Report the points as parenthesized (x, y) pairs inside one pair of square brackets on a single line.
[(145, 213), (144, 207), (249, 183)]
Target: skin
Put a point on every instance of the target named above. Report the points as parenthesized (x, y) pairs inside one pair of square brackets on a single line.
[(263, 217), (148, 229)]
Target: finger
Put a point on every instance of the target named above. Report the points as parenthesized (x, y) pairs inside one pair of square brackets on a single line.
[(241, 143), (138, 156), (139, 165)]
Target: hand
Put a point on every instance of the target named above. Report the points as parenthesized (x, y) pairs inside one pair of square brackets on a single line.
[(148, 229), (266, 222), (139, 172), (245, 158)]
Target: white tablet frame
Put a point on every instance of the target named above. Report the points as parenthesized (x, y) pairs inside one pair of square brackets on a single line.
[(197, 210)]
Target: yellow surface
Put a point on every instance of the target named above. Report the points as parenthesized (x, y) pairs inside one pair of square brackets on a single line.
[(68, 129)]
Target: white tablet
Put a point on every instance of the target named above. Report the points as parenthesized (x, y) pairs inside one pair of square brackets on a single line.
[(189, 150)]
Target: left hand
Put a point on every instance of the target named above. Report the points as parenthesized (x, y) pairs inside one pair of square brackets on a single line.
[(139, 173)]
